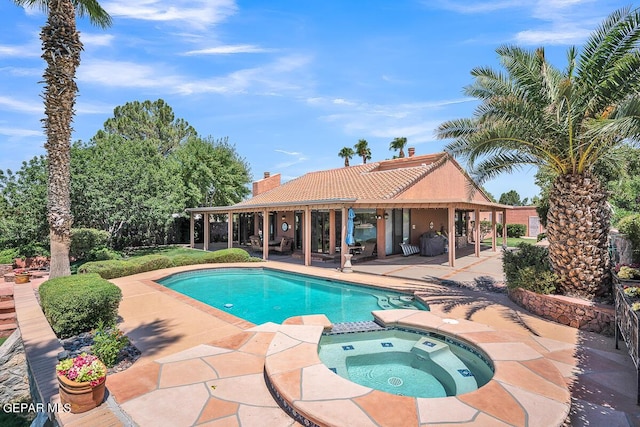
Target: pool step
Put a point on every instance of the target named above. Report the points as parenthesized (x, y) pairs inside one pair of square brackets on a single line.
[(445, 366), (390, 302)]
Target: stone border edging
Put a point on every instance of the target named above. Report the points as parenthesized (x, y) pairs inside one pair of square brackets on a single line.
[(573, 312)]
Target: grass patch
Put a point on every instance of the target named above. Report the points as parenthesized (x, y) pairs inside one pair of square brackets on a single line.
[(2, 340), (512, 242)]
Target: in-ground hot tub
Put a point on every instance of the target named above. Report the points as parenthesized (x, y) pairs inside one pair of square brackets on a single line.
[(406, 363)]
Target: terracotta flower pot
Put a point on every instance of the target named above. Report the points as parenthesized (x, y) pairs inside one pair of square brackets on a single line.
[(81, 396), (22, 278)]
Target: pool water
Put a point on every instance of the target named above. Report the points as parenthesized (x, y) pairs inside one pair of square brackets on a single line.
[(406, 363), (262, 295)]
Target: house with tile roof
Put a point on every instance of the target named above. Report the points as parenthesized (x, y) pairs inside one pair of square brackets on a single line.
[(396, 202)]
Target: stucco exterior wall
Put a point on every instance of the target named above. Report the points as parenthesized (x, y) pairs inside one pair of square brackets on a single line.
[(420, 219), (445, 182)]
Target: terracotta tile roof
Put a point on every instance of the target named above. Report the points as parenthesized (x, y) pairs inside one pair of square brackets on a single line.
[(372, 181)]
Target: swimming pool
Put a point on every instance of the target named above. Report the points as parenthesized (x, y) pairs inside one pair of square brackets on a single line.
[(406, 363), (262, 295)]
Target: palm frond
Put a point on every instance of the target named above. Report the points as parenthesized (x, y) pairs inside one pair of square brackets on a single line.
[(91, 8)]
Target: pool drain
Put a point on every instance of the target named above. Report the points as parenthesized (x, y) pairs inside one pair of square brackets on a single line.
[(395, 381)]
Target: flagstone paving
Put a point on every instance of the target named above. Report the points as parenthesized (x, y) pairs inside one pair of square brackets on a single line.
[(204, 367)]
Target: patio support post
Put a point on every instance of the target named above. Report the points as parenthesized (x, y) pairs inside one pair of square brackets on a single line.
[(332, 231), (381, 234), (451, 222), (343, 242), (192, 231), (504, 228), (307, 236), (476, 213), (230, 230), (205, 218), (494, 230), (265, 234)]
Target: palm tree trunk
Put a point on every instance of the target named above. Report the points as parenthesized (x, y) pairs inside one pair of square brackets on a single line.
[(577, 229), (61, 50)]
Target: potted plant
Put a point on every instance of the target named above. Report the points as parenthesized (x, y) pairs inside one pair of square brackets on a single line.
[(21, 275), (81, 381)]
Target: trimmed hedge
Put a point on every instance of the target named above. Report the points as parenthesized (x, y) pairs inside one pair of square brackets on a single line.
[(76, 304), (119, 268)]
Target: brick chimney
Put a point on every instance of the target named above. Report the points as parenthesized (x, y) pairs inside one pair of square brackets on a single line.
[(267, 183), (412, 151)]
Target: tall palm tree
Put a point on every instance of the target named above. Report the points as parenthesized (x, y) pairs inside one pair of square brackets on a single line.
[(398, 144), (562, 121), (346, 153), (362, 149), (61, 48)]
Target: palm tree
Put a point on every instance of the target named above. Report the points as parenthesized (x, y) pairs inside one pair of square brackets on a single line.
[(346, 153), (562, 121), (398, 144), (362, 149), (61, 48)]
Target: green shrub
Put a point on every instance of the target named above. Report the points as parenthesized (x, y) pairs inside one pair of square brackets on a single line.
[(86, 241), (104, 254), (630, 226), (7, 256), (528, 268), (76, 304), (108, 269), (108, 343), (118, 268), (516, 230), (541, 236)]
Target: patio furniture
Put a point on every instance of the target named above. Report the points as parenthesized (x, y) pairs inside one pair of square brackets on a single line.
[(431, 244), (408, 249), (256, 243), (285, 245), (365, 254)]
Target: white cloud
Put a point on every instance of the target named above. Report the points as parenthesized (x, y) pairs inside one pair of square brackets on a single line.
[(89, 39), (23, 51), (125, 74), (22, 72), (17, 132), (194, 13), (553, 36), (470, 7), (11, 104), (273, 79), (289, 153), (228, 49)]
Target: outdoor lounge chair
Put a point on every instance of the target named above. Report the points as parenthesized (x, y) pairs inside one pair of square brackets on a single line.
[(365, 254), (256, 243), (408, 249), (285, 245)]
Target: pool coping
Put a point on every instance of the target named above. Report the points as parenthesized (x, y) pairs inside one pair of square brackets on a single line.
[(523, 382)]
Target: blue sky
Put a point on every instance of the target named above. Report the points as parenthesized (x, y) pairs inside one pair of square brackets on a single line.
[(289, 82)]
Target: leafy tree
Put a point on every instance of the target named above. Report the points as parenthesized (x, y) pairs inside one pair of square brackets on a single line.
[(212, 172), (362, 149), (346, 153), (511, 198), (61, 48), (127, 188), (23, 215), (564, 121), (398, 144), (151, 121)]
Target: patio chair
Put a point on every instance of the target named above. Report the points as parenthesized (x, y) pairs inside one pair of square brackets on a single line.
[(256, 243), (285, 246), (365, 254), (408, 249)]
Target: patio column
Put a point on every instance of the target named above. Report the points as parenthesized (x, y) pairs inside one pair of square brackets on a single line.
[(477, 231), (205, 218), (230, 230), (332, 231), (192, 231), (504, 228), (343, 242), (381, 234), (494, 230), (265, 234), (451, 223), (306, 244)]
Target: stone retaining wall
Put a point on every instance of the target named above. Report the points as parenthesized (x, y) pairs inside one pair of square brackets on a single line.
[(14, 383), (5, 268), (574, 312)]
